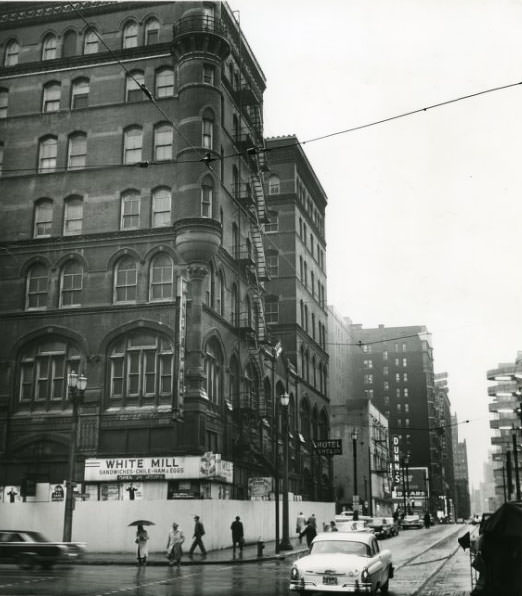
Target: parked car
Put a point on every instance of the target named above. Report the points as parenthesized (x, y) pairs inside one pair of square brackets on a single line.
[(411, 521), (384, 527), (345, 524), (343, 562), (28, 549)]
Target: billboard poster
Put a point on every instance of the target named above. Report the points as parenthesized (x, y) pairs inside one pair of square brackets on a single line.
[(12, 494), (259, 487), (57, 492), (133, 491)]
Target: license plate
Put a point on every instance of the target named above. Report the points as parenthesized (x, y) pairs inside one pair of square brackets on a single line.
[(329, 580)]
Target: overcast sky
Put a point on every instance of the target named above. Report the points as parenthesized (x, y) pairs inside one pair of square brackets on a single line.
[(424, 221)]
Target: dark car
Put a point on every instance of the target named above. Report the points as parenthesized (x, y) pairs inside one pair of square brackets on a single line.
[(28, 549), (384, 527)]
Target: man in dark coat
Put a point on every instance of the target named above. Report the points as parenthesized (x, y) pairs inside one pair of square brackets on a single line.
[(238, 536), (309, 533), (199, 532)]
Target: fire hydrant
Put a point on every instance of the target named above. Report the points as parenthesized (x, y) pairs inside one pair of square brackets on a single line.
[(260, 547)]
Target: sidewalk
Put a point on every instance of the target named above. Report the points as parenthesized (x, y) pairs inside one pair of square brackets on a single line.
[(214, 557)]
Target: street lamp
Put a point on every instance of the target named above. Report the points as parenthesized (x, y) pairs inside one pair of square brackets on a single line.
[(76, 384), (355, 498), (284, 400)]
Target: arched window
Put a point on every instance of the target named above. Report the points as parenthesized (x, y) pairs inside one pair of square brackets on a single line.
[(214, 371), (161, 207), (141, 368), (234, 377), (314, 373), (133, 90), (315, 426), (4, 100), (207, 191), (235, 241), (164, 82), (161, 278), (44, 367), (12, 51), (207, 130), (47, 152), (274, 185), (90, 42), (77, 151), (80, 94), (152, 29), (132, 145), (307, 366), (37, 287), (51, 97), (73, 216), (163, 138), (43, 218), (220, 292), (305, 419), (234, 318), (71, 284), (130, 210), (125, 280), (69, 43), (130, 35), (251, 380), (49, 47)]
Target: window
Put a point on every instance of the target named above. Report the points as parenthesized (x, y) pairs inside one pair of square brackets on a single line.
[(141, 367), (49, 48), (152, 29), (90, 42), (404, 362), (272, 263), (161, 207), (164, 82), (206, 197), (77, 151), (73, 216), (397, 377), (47, 155), (386, 386), (43, 218), (273, 222), (207, 133), (385, 355), (161, 278), (132, 145), (214, 371), (220, 293), (51, 97), (37, 287), (385, 370), (69, 44), (405, 377), (71, 284), (271, 309), (405, 391), (368, 394), (368, 363), (130, 35), (133, 90), (130, 210), (11, 53), (208, 74), (125, 280), (4, 99), (368, 379), (44, 368), (163, 137), (274, 185), (80, 94), (234, 313)]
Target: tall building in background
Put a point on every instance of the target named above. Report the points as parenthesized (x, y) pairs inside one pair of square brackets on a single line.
[(460, 473), (133, 177), (443, 481)]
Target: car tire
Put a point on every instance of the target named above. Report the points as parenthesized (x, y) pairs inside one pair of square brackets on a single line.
[(385, 588), (25, 561)]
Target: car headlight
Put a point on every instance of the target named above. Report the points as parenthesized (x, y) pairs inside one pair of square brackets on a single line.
[(294, 573), (365, 575)]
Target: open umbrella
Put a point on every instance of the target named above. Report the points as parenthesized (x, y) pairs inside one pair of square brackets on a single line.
[(142, 522)]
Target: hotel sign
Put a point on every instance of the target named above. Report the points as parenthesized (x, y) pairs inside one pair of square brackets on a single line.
[(209, 466)]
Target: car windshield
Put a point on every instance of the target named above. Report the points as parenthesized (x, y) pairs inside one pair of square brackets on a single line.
[(32, 537), (346, 547)]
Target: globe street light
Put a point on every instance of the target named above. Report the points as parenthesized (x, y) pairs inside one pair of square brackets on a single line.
[(284, 400), (76, 384)]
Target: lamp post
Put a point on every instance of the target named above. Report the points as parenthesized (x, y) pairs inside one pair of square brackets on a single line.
[(355, 498), (284, 400), (76, 384)]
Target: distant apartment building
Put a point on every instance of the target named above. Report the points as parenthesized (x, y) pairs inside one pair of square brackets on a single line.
[(461, 474), (443, 480)]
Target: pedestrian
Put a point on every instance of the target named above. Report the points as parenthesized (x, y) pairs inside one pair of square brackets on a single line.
[(333, 527), (427, 520), (142, 538), (312, 521), (300, 525), (238, 534), (174, 542), (309, 533), (199, 532)]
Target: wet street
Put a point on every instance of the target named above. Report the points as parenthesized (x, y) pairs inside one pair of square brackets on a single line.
[(427, 562)]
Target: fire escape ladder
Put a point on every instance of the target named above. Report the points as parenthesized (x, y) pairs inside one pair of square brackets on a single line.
[(259, 193), (259, 252)]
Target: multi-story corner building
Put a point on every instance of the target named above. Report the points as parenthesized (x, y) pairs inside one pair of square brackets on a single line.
[(505, 424), (443, 481), (133, 201), (393, 367), (295, 304)]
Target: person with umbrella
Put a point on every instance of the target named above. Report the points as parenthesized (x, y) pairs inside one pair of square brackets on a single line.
[(142, 538)]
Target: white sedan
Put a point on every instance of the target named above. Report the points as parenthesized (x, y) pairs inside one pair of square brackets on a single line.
[(349, 562)]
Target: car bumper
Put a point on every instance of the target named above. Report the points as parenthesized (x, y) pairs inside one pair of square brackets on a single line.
[(308, 586)]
